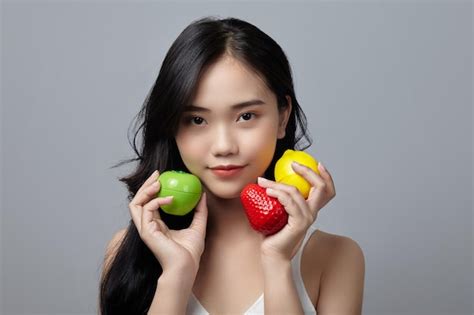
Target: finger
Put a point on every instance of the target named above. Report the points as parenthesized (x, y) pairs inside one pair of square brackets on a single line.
[(162, 227), (152, 206), (136, 205), (153, 177), (199, 222), (318, 186), (311, 176), (155, 203), (147, 194), (291, 190), (288, 202), (308, 174), (136, 215), (327, 178)]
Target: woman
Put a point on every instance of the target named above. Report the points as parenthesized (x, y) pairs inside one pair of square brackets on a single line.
[(225, 96)]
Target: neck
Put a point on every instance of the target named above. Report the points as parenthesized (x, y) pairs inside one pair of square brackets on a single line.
[(227, 222)]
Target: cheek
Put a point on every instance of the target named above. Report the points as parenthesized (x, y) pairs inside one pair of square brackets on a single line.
[(263, 139), (262, 146), (189, 149)]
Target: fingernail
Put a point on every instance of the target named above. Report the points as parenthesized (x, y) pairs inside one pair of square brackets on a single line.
[(262, 179), (295, 164), (321, 166)]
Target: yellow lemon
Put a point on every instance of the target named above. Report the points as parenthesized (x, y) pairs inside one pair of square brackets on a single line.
[(285, 174)]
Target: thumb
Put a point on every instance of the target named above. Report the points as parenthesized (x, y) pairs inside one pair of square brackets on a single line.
[(199, 222)]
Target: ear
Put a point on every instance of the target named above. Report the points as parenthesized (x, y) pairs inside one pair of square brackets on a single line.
[(284, 117)]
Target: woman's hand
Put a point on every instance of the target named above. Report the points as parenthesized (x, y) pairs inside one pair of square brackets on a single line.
[(174, 249), (284, 244)]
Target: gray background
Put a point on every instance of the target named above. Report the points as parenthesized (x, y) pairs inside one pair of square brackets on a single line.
[(386, 86)]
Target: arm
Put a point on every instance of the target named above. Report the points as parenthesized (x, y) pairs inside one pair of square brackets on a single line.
[(172, 293), (342, 282), (280, 294)]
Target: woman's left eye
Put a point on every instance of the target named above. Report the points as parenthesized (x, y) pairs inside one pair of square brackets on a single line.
[(248, 115)]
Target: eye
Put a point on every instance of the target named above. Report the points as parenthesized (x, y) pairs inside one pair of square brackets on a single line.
[(248, 115), (197, 121), (193, 120)]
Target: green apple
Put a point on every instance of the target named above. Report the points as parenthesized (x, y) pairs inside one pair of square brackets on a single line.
[(184, 187)]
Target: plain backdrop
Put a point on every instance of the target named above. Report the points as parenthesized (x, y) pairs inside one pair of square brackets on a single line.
[(386, 87)]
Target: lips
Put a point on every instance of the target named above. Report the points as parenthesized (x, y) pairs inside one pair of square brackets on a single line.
[(227, 170), (226, 167)]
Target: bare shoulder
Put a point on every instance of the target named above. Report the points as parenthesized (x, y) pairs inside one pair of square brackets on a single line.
[(334, 244), (340, 249), (325, 247), (343, 273), (112, 247), (116, 239)]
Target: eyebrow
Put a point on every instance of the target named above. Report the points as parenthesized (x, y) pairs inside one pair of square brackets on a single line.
[(234, 107)]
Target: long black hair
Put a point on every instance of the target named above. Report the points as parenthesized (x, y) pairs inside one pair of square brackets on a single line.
[(129, 284)]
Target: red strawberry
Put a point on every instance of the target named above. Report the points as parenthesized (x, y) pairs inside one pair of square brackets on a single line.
[(265, 213)]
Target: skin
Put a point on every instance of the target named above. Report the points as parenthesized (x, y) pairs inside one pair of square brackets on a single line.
[(225, 136)]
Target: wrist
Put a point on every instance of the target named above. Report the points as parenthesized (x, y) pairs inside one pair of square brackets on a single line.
[(178, 279), (272, 264), (172, 293), (274, 259)]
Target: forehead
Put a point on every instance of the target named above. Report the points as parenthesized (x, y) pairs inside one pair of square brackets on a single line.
[(229, 82)]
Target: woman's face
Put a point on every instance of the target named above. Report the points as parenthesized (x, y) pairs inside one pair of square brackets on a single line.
[(213, 132)]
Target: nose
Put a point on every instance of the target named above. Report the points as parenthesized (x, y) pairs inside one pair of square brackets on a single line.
[(223, 142)]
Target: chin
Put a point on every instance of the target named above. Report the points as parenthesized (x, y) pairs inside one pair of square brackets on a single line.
[(223, 191), (226, 194)]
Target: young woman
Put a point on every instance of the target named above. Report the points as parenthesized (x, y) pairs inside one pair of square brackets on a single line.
[(225, 96)]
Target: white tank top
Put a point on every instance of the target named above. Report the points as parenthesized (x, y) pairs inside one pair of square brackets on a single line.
[(194, 307)]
